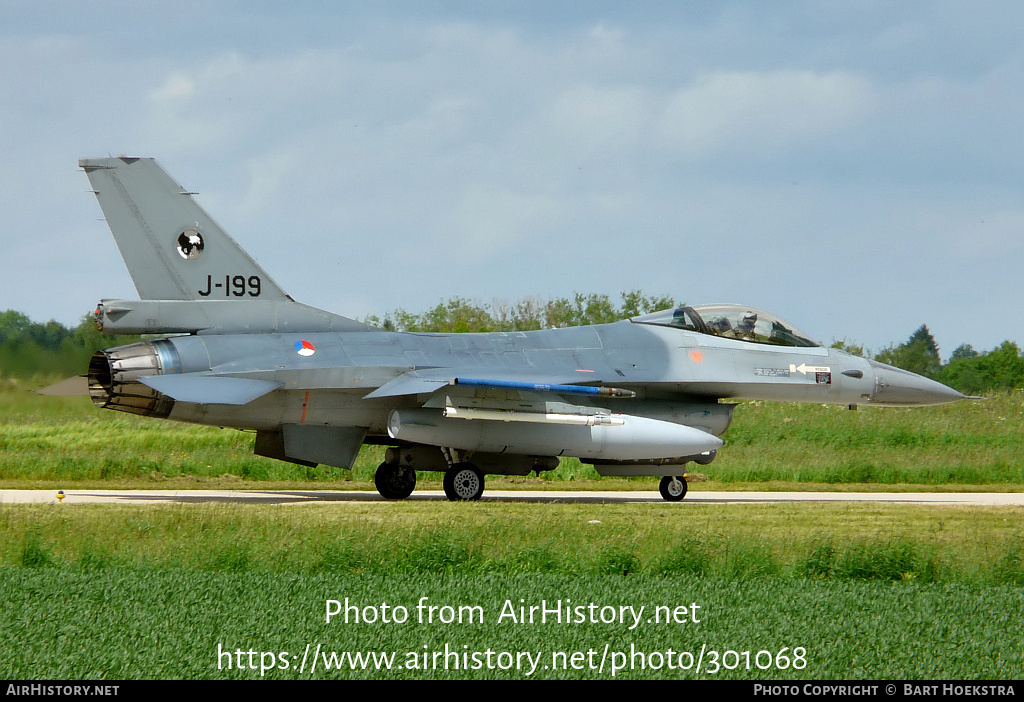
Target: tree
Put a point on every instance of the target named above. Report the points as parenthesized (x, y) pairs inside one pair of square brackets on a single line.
[(971, 372), (1004, 367), (29, 348), (13, 325), (635, 303), (923, 336), (919, 354), (963, 351), (462, 315), (849, 347)]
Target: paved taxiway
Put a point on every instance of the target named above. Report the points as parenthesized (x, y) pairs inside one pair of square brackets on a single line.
[(138, 497)]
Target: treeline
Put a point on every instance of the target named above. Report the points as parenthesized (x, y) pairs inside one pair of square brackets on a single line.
[(967, 370), (30, 348), (459, 315)]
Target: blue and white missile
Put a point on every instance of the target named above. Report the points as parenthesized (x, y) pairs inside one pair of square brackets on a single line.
[(544, 387)]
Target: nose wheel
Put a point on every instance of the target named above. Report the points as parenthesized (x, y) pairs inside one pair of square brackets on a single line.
[(463, 482), (673, 487)]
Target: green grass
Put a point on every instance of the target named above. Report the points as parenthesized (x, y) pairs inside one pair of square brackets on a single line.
[(56, 442), (868, 590), (130, 624), (156, 592), (966, 443), (978, 546)]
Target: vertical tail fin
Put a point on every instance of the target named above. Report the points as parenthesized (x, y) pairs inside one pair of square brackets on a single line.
[(172, 248)]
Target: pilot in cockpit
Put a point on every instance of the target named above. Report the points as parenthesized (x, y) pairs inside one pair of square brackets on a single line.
[(719, 326), (745, 329)]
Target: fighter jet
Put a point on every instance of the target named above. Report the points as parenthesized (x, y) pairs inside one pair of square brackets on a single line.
[(644, 396)]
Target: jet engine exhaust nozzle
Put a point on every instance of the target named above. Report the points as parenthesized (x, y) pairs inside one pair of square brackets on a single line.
[(114, 378)]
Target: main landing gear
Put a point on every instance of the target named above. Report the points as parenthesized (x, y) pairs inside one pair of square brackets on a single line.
[(463, 482), (673, 487), (394, 482)]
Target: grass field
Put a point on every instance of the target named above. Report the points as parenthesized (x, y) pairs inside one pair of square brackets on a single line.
[(862, 591), (130, 624), (55, 442), (969, 545), (784, 591)]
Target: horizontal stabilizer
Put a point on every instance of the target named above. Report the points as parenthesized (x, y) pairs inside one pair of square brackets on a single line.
[(218, 317), (210, 389)]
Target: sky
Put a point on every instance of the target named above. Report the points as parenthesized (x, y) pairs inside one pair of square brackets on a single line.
[(854, 166)]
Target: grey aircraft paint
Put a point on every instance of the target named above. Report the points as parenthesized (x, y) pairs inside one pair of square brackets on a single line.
[(637, 397)]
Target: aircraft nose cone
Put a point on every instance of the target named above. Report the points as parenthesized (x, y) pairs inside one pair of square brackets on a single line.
[(897, 387)]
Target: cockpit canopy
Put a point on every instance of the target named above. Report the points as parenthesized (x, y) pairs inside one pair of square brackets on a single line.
[(730, 322)]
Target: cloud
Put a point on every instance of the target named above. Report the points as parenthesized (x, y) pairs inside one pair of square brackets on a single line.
[(177, 89), (420, 154), (763, 113), (606, 117)]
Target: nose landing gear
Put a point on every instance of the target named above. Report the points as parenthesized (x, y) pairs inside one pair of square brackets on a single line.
[(673, 487)]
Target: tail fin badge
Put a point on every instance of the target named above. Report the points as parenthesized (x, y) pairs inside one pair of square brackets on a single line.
[(304, 348), (190, 244)]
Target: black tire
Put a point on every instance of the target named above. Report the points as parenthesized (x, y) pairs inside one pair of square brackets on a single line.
[(463, 482), (673, 488), (394, 482)]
